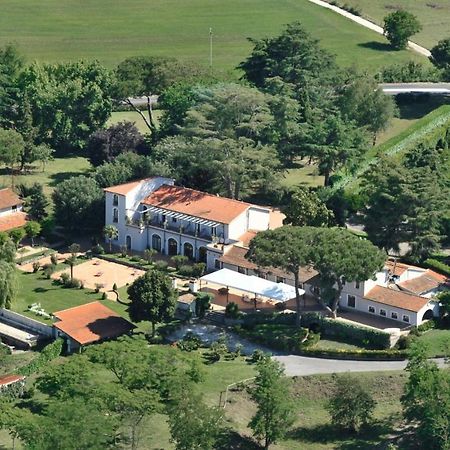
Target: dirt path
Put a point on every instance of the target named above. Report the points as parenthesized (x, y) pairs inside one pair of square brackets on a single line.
[(368, 24)]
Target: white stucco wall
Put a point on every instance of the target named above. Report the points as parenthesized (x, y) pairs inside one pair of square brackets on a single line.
[(238, 226), (8, 211), (258, 218)]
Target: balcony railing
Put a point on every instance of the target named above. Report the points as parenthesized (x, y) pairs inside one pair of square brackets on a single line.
[(188, 230)]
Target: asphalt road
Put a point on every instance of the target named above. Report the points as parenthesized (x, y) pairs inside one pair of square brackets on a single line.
[(302, 365)]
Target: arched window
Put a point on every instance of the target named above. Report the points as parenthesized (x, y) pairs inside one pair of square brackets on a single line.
[(188, 250), (115, 200), (202, 254), (172, 247), (128, 242), (156, 242), (115, 215)]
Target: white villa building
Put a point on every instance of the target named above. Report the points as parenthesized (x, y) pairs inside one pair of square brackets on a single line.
[(11, 214), (400, 292), (154, 213)]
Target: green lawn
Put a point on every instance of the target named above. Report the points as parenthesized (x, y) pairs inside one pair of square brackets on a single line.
[(437, 341), (132, 116), (302, 174), (433, 15), (62, 30), (326, 344), (34, 288), (58, 170)]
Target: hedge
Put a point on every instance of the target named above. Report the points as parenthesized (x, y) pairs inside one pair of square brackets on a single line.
[(48, 353), (379, 355), (440, 267), (348, 332), (33, 257)]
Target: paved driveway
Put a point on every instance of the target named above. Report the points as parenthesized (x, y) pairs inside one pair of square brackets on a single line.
[(302, 365)]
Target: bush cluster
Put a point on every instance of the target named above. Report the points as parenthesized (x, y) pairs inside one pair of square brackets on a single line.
[(347, 332), (438, 266), (68, 282), (50, 352), (349, 8)]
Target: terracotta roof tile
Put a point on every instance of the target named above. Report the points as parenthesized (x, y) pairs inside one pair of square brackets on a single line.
[(123, 189), (91, 322), (397, 299), (8, 379), (426, 282), (236, 256), (14, 220), (8, 198), (196, 203), (398, 268)]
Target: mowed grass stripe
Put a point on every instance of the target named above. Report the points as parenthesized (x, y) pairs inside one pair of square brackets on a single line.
[(111, 31)]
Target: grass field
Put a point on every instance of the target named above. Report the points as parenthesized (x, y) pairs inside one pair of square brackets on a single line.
[(61, 30), (58, 170), (437, 341), (132, 116), (434, 16)]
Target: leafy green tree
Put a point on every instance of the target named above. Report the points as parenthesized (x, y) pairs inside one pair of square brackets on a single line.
[(11, 65), (361, 101), (8, 284), (148, 254), (68, 380), (11, 148), (229, 111), (149, 76), (7, 248), (69, 101), (32, 229), (78, 202), (105, 145), (288, 248), (408, 72), (350, 405), (426, 400), (152, 298), (110, 232), (17, 235), (387, 206), (305, 208), (399, 26), (275, 409), (59, 426), (440, 57), (340, 256), (37, 203), (333, 143), (193, 425)]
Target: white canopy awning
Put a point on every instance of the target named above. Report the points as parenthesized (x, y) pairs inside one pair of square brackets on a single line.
[(281, 292)]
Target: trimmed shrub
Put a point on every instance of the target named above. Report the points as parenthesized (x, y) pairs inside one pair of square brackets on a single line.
[(198, 269), (404, 342), (428, 325), (347, 332), (49, 270), (104, 296), (232, 310), (161, 265), (36, 266), (54, 258), (179, 260), (64, 278), (186, 271), (97, 250)]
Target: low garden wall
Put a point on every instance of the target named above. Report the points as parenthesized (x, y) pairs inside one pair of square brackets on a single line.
[(26, 322)]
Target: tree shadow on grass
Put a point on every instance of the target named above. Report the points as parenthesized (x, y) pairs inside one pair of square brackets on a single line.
[(40, 290), (232, 440), (368, 437), (378, 46), (56, 178)]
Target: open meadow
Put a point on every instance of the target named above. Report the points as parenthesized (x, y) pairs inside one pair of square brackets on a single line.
[(434, 16), (112, 31)]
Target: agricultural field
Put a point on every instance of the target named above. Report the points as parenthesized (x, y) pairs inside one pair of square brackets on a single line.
[(434, 15), (112, 31)]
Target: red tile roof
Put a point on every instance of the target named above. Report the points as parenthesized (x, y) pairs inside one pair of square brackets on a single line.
[(398, 299), (428, 281), (8, 198), (91, 322), (398, 268), (8, 379), (123, 189), (196, 203), (236, 257), (14, 220)]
